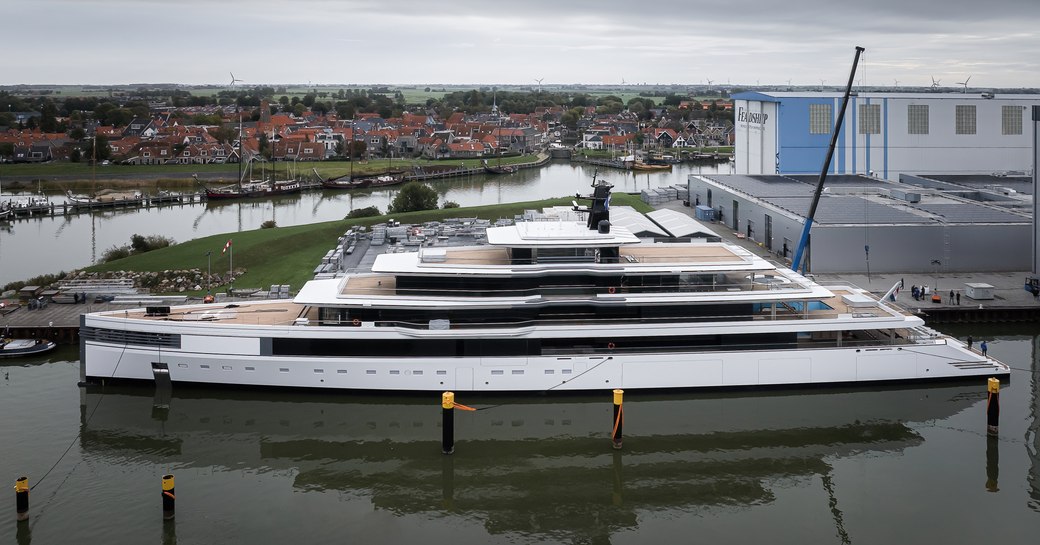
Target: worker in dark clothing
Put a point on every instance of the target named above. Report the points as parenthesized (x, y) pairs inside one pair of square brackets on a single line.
[(983, 347)]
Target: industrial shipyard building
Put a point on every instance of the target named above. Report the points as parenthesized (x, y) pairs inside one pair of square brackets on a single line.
[(924, 224), (884, 134)]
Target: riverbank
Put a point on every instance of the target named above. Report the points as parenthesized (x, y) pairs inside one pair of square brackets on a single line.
[(288, 255), (83, 177)]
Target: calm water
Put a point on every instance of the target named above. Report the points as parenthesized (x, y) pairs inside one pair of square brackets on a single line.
[(909, 465), (48, 245)]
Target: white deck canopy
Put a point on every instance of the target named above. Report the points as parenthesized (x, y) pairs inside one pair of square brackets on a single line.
[(680, 225), (534, 234)]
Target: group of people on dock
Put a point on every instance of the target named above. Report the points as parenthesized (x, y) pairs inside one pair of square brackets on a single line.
[(920, 293)]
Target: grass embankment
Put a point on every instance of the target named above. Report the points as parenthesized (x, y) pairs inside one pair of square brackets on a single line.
[(82, 176), (288, 255)]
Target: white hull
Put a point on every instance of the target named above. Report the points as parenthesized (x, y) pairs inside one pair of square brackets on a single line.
[(213, 362)]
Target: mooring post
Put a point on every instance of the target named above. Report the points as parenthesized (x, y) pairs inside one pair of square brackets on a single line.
[(993, 407), (448, 422), (21, 498), (169, 499), (618, 420)]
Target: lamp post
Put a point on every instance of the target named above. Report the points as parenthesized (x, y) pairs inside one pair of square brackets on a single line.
[(209, 271)]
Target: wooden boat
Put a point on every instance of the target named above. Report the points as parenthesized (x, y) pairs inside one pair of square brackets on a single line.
[(247, 189), (250, 190), (105, 197), (350, 182), (10, 348), (649, 167), (498, 169)]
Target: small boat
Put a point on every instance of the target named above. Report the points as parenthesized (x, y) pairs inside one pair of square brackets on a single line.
[(347, 182), (339, 182), (10, 348), (105, 197), (32, 204), (650, 167), (381, 181), (498, 169), (248, 188)]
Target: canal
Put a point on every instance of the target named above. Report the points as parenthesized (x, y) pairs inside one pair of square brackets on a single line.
[(48, 245), (892, 465)]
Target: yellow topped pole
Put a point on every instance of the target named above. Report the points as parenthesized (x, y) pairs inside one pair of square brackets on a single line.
[(21, 498), (169, 499), (448, 422), (619, 419), (993, 406)]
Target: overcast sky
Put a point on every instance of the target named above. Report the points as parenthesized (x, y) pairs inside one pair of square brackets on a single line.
[(498, 42)]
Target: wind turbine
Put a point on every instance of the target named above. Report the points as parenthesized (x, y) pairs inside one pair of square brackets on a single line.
[(234, 80), (897, 82), (539, 80), (935, 82), (622, 80), (965, 84)]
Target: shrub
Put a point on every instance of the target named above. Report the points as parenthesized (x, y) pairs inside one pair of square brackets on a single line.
[(450, 204), (364, 212), (116, 252), (269, 224), (140, 244)]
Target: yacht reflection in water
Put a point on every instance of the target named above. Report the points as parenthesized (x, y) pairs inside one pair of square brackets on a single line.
[(536, 466)]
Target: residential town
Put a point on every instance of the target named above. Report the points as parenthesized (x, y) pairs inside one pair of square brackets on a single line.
[(171, 134)]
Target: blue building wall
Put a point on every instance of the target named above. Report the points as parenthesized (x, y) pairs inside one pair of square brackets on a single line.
[(801, 152)]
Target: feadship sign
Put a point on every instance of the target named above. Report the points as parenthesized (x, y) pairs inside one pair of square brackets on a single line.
[(752, 117)]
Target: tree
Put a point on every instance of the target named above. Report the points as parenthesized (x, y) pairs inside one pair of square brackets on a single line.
[(48, 119), (104, 151), (224, 134), (77, 133), (264, 146), (414, 196), (357, 148)]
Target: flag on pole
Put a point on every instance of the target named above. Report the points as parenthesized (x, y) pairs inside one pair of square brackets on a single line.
[(226, 246)]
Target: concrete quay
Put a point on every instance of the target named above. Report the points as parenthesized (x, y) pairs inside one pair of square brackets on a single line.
[(1010, 303)]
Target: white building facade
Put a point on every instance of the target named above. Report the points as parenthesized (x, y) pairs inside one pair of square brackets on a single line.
[(884, 134)]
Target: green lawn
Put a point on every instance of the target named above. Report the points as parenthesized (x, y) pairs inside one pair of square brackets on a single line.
[(326, 168), (288, 255), (83, 169)]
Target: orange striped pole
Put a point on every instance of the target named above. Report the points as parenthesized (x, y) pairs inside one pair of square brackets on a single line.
[(619, 419), (169, 499)]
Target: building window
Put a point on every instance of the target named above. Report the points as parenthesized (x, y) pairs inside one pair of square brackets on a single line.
[(1011, 119), (965, 117), (820, 118), (917, 119), (870, 119)]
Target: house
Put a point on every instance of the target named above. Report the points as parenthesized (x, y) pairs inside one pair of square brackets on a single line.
[(144, 128), (35, 153)]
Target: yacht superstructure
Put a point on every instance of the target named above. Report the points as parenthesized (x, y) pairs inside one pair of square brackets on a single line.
[(542, 306)]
